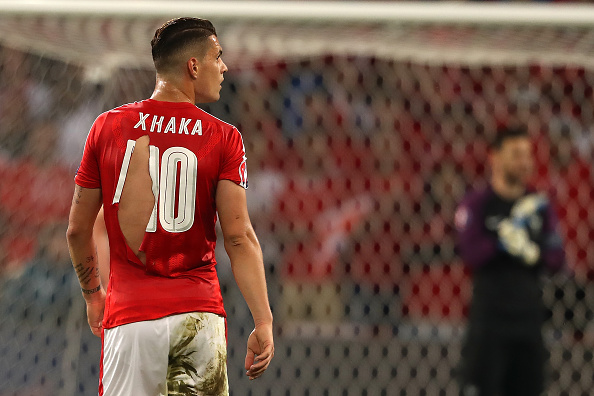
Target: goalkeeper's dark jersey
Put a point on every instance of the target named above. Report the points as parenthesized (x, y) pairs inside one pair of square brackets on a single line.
[(506, 290)]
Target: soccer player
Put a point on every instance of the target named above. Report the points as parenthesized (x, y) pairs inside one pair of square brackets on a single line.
[(163, 169), (507, 235)]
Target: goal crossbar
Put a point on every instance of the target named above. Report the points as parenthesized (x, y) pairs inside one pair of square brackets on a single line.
[(378, 12), (110, 34)]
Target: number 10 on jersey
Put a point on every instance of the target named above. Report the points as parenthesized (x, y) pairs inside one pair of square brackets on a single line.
[(176, 161)]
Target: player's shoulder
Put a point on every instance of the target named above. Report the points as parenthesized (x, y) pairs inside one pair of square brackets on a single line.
[(117, 110), (124, 107), (105, 119), (207, 117), (476, 196)]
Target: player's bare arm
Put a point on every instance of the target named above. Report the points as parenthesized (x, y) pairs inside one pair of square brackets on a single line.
[(102, 242), (245, 254), (83, 253)]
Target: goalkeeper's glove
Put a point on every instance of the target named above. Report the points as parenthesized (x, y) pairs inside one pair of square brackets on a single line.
[(528, 206), (515, 240)]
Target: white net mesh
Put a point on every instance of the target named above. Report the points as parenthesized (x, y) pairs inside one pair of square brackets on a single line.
[(361, 140)]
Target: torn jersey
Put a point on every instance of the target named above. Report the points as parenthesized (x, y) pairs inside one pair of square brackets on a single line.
[(189, 152)]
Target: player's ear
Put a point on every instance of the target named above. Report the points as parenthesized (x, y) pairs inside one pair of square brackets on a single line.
[(192, 67)]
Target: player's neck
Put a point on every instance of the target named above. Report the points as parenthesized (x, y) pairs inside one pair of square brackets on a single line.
[(507, 190), (167, 90)]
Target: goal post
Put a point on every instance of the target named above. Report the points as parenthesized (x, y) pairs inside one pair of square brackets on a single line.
[(364, 125)]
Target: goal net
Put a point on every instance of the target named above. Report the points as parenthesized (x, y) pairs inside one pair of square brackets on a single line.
[(364, 125)]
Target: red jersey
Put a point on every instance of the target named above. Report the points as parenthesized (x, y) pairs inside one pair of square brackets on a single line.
[(190, 151)]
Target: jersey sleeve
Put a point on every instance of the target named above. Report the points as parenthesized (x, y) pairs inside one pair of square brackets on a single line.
[(475, 245), (233, 166), (88, 175)]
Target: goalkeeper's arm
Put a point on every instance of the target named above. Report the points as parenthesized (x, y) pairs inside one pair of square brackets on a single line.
[(475, 245)]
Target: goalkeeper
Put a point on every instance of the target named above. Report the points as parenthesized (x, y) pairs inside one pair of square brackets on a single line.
[(507, 236)]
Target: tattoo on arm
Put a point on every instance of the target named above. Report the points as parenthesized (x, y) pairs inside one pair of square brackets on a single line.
[(85, 274), (77, 194), (91, 291)]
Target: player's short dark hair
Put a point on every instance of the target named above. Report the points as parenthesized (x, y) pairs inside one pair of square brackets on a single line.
[(177, 34), (508, 133)]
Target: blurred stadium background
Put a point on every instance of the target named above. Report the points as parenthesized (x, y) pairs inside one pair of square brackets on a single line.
[(364, 124)]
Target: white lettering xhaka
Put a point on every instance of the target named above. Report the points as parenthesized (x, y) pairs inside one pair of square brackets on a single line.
[(141, 123)]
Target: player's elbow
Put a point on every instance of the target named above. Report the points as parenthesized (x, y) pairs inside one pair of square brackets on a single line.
[(240, 239), (76, 234), (236, 240)]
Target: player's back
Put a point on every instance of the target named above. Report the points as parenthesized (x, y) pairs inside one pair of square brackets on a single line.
[(190, 151)]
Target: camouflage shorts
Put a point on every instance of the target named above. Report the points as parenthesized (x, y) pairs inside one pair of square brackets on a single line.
[(183, 354)]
